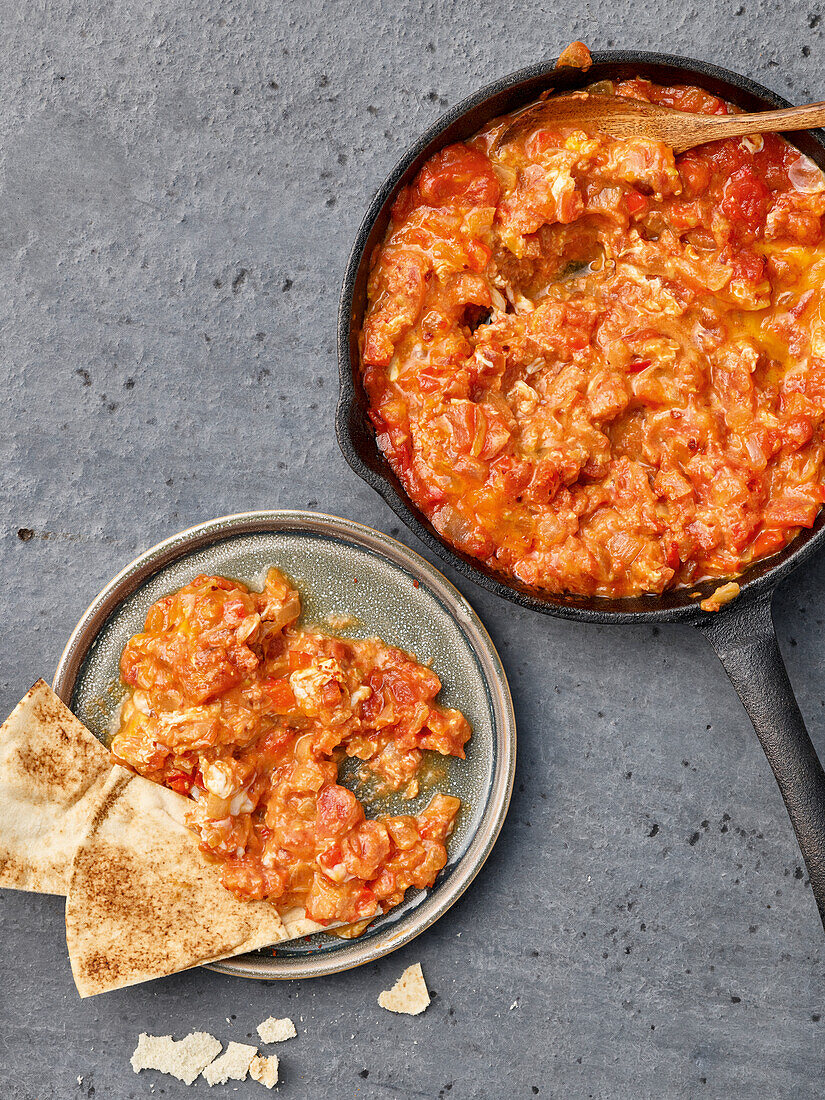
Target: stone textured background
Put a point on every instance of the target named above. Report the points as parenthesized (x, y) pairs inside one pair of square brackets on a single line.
[(181, 183)]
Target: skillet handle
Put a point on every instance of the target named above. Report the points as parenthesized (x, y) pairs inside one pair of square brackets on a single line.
[(744, 639)]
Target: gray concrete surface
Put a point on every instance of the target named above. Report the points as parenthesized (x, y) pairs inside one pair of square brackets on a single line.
[(180, 186)]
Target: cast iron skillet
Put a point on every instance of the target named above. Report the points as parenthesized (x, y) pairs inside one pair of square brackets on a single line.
[(742, 633)]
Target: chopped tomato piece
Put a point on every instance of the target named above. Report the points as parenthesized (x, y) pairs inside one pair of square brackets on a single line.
[(696, 174), (478, 255), (338, 811), (281, 695), (636, 203), (458, 175), (745, 202), (179, 781), (768, 542)]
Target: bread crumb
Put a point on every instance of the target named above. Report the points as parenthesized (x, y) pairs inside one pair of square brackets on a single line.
[(276, 1031), (409, 994), (265, 1070), (184, 1059), (233, 1064)]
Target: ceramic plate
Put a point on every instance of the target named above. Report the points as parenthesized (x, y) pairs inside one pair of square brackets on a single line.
[(341, 569)]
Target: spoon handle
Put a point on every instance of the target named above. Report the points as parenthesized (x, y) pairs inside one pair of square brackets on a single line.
[(807, 117), (744, 638), (715, 127)]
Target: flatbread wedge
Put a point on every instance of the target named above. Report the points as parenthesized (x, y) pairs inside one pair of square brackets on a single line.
[(52, 770), (298, 924), (143, 902)]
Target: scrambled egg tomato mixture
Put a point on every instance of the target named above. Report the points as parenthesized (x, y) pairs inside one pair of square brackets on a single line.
[(599, 367), (249, 714)]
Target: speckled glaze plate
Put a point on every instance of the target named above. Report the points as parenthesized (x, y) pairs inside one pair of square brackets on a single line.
[(341, 569)]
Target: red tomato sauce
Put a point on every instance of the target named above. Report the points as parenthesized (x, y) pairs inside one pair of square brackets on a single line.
[(233, 704), (599, 367)]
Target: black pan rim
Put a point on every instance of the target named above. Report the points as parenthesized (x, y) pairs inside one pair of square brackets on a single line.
[(758, 580)]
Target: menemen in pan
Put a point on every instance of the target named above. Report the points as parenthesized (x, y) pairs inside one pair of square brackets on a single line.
[(599, 367)]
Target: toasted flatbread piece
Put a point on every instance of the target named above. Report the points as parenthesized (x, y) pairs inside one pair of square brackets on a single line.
[(409, 994), (183, 1059), (276, 1031), (265, 1070), (143, 902), (52, 770), (233, 1064), (298, 924)]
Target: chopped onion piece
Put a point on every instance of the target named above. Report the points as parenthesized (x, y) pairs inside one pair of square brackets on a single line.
[(806, 176), (217, 808)]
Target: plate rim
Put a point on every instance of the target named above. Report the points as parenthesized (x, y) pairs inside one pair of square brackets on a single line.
[(482, 840)]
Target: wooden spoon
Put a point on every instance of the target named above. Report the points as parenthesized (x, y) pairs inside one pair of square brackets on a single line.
[(635, 118)]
